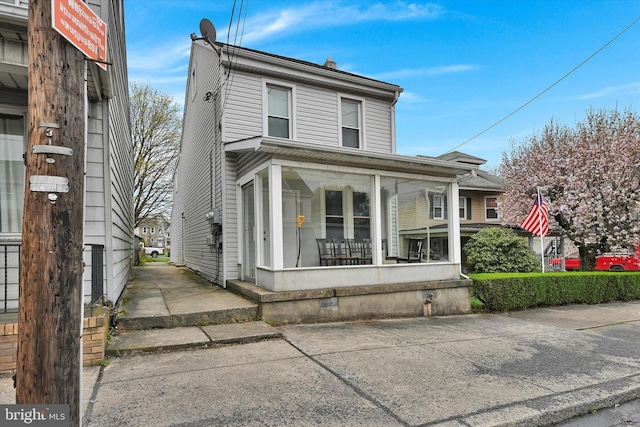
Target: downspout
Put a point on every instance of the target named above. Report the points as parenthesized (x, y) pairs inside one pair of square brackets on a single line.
[(396, 96)]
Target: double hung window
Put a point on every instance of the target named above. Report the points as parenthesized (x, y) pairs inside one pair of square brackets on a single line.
[(491, 208), (351, 123), (279, 111)]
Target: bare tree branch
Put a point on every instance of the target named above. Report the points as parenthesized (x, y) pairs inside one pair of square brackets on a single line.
[(156, 127)]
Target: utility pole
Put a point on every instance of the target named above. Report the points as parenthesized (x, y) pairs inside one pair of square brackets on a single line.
[(49, 322)]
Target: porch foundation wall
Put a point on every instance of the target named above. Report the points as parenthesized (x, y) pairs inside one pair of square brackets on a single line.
[(433, 298), (94, 340)]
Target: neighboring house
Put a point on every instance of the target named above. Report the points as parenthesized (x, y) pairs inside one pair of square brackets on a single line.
[(108, 226), (154, 231), (478, 199), (278, 154)]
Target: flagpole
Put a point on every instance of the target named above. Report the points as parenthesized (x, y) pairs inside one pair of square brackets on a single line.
[(540, 227)]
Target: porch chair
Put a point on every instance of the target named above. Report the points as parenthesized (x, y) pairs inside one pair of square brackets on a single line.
[(340, 252), (414, 253), (367, 252), (325, 252)]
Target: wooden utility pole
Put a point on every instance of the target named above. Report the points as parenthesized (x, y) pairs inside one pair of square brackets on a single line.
[(49, 322)]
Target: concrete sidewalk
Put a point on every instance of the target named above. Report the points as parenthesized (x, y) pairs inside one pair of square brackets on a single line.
[(531, 368)]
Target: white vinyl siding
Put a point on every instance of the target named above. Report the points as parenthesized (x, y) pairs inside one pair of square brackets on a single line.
[(242, 117), (377, 125), (199, 175), (317, 112)]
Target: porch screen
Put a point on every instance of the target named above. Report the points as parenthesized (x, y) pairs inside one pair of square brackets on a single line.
[(334, 205), (414, 209)]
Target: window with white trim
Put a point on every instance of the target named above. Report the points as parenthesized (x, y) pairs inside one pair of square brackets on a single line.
[(278, 111), (462, 201), (491, 208), (350, 123), (438, 207), (144, 230)]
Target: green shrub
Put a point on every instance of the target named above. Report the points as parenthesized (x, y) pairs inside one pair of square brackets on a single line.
[(498, 249), (508, 292)]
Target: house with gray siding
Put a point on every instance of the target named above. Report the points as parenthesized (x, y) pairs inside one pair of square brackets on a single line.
[(288, 180), (108, 226)]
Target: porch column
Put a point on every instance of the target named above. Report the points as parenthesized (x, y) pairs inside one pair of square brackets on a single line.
[(455, 249), (275, 216), (376, 238)]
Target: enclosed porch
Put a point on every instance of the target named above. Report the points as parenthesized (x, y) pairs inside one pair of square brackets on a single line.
[(313, 218)]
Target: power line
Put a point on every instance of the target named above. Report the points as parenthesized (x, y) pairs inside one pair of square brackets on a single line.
[(547, 89)]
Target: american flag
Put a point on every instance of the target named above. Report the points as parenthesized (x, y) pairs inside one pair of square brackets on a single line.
[(537, 220)]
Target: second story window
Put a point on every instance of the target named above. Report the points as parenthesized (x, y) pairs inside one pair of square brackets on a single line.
[(438, 207), (144, 230), (350, 123), (279, 112), (153, 230), (463, 207), (491, 208)]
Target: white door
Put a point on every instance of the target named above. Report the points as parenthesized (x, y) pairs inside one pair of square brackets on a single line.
[(249, 234)]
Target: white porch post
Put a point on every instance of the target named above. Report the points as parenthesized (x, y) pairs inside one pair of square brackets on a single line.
[(377, 223), (275, 216), (455, 250)]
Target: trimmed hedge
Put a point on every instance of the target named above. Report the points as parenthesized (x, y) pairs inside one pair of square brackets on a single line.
[(519, 291)]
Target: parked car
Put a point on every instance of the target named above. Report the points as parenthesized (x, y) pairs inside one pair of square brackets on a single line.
[(571, 262), (154, 252), (619, 261)]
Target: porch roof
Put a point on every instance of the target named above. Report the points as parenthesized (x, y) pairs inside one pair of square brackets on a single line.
[(293, 150)]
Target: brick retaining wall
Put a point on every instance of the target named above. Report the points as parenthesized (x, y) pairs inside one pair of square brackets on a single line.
[(94, 341)]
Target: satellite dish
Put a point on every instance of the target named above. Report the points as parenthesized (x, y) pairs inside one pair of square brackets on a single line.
[(208, 31)]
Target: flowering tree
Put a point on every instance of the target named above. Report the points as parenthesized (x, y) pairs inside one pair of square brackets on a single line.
[(589, 175)]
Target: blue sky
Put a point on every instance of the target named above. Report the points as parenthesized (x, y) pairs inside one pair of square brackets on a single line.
[(464, 65)]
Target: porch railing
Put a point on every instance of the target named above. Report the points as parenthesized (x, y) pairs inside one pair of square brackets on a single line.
[(10, 254)]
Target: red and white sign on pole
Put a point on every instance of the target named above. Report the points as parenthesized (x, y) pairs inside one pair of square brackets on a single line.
[(82, 27)]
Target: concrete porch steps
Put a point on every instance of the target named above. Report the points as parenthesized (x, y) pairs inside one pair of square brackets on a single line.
[(166, 308)]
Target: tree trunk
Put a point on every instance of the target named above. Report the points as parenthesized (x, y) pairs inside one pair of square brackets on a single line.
[(49, 323)]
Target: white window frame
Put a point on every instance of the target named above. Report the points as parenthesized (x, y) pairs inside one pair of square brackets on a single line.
[(153, 230), (486, 208), (361, 112), (144, 230), (293, 129), (441, 206), (462, 207)]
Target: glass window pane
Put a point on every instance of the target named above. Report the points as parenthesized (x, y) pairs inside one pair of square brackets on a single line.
[(12, 171), (335, 227), (350, 113), (325, 199), (333, 202), (360, 204), (278, 127), (278, 102), (350, 138)]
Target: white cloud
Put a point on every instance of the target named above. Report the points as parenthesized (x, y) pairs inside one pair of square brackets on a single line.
[(428, 71), (627, 89), (323, 14)]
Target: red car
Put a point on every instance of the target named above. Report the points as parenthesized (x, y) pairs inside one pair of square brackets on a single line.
[(571, 262), (619, 261)]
